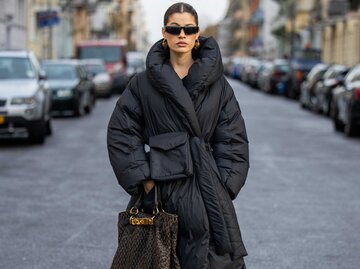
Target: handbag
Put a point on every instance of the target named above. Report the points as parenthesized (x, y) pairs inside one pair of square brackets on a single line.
[(146, 241)]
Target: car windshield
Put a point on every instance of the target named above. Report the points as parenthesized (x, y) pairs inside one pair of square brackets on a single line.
[(96, 68), (16, 68), (107, 53), (60, 71)]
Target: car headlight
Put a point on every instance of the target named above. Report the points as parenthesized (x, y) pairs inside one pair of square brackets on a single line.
[(24, 101), (64, 93)]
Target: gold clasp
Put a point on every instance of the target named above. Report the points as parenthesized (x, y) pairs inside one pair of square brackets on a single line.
[(142, 221)]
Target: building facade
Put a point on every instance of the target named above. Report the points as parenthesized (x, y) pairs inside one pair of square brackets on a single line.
[(43, 19), (13, 24), (249, 26), (138, 32), (340, 21)]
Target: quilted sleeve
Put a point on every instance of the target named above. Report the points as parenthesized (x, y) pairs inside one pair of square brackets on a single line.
[(125, 142), (230, 144)]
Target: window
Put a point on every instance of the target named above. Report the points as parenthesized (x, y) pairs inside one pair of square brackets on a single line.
[(16, 68), (60, 71)]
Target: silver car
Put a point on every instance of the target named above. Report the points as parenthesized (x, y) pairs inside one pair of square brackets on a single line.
[(97, 70), (25, 99)]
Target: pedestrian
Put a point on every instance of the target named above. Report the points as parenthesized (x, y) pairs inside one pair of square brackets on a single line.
[(184, 109)]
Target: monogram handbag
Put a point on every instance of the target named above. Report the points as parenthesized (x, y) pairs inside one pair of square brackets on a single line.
[(146, 241)]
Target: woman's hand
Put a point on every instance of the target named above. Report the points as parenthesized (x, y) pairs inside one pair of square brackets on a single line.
[(148, 185)]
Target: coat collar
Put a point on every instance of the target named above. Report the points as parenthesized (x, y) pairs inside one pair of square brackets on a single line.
[(206, 69)]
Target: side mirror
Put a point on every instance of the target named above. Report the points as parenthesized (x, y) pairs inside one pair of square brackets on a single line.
[(42, 75)]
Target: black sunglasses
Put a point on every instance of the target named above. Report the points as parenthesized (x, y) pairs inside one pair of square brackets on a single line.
[(176, 30)]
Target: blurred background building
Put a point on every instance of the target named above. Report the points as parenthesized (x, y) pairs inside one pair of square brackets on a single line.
[(51, 28), (13, 22), (271, 29), (262, 28)]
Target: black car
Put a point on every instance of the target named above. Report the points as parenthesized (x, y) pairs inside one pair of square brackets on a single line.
[(345, 106), (71, 86), (276, 77), (323, 89), (307, 93)]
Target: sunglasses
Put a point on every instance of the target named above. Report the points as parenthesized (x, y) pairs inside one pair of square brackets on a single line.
[(176, 30)]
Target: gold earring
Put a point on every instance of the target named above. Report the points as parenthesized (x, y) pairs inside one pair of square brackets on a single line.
[(165, 44), (197, 44)]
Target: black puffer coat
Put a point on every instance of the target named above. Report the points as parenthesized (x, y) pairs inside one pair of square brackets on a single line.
[(198, 151)]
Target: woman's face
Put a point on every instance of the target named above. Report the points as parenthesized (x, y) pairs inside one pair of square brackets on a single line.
[(181, 42)]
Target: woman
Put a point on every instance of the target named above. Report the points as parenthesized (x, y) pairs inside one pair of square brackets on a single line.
[(185, 110)]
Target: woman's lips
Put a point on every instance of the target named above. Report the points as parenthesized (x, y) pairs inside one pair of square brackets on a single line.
[(181, 44)]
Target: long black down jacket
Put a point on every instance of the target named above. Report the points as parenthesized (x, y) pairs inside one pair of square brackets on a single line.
[(198, 151)]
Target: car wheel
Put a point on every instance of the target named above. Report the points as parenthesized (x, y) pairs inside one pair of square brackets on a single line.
[(88, 108), (80, 108), (349, 128), (338, 125), (49, 127), (38, 133), (92, 97), (302, 104)]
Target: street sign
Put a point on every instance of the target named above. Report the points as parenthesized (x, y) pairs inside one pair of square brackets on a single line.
[(47, 18)]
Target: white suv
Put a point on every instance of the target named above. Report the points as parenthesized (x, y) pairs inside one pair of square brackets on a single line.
[(25, 100)]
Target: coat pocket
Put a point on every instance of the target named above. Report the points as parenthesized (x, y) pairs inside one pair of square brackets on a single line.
[(170, 156)]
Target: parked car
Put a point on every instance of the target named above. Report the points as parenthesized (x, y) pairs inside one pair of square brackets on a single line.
[(234, 67), (246, 68), (276, 77), (25, 99), (345, 106), (72, 89), (333, 77), (263, 74), (97, 71), (307, 94), (135, 63), (300, 65), (254, 73)]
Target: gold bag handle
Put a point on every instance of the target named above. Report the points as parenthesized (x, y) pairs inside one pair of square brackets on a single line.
[(134, 211)]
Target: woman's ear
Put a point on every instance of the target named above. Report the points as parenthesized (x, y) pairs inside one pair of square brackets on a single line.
[(163, 32)]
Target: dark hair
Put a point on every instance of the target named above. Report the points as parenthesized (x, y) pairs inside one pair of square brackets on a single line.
[(180, 7)]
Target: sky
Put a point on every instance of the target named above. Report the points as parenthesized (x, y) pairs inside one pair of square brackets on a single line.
[(209, 12)]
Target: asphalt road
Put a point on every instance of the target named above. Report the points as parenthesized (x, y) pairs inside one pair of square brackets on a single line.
[(300, 207)]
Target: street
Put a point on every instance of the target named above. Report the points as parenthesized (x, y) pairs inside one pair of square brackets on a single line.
[(300, 206)]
